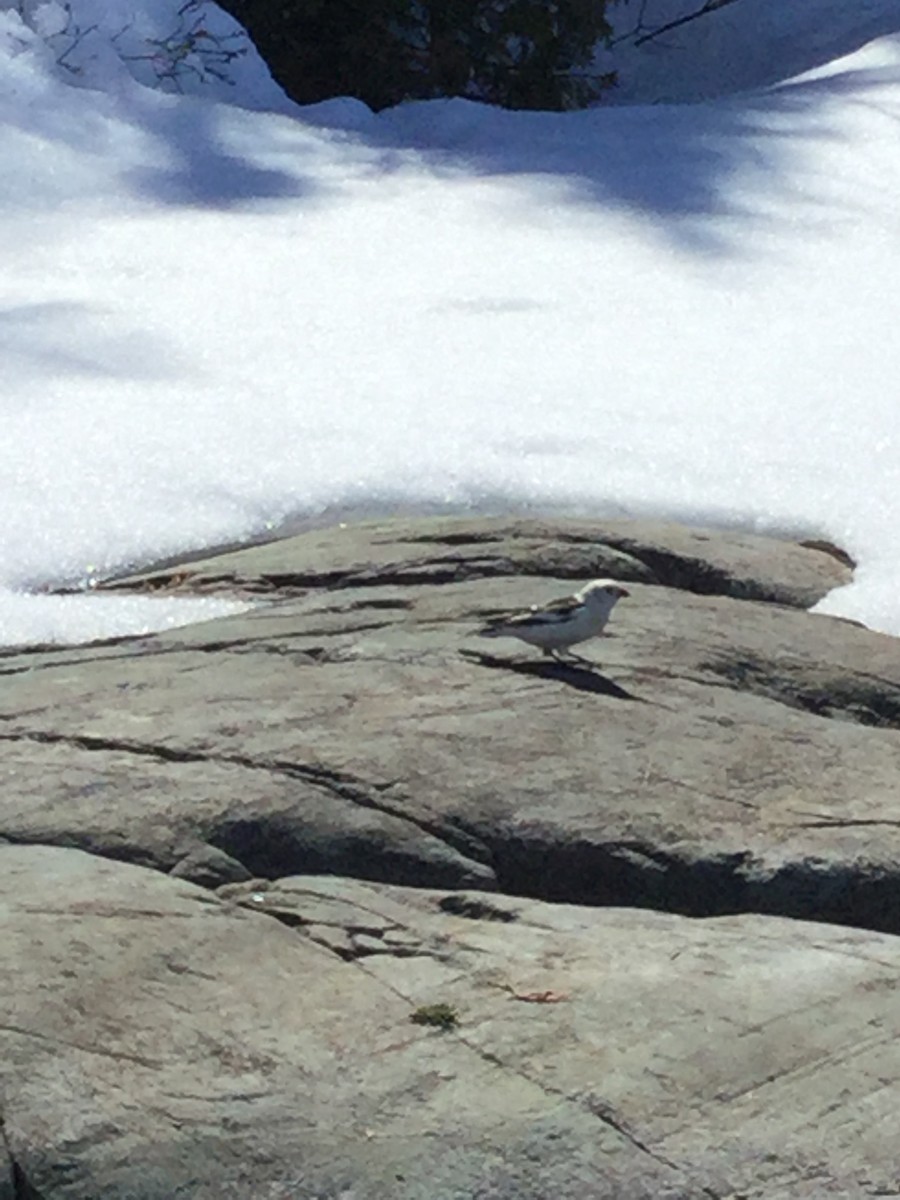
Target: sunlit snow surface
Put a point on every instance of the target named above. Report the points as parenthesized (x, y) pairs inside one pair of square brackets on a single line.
[(212, 318)]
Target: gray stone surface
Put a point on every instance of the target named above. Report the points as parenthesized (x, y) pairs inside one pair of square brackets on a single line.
[(162, 1041), (726, 754), (453, 549), (225, 1011)]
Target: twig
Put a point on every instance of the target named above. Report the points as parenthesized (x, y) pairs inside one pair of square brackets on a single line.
[(708, 7)]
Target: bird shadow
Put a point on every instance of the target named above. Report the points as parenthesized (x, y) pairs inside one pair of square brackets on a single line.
[(582, 679)]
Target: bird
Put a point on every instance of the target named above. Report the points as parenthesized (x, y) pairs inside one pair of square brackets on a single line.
[(557, 626)]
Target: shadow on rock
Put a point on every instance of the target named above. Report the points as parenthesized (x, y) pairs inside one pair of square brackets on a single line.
[(583, 679)]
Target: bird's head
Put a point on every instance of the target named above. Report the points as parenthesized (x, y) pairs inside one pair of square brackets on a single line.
[(605, 591)]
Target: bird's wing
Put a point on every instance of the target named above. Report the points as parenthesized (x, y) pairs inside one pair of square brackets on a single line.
[(544, 614), (564, 607)]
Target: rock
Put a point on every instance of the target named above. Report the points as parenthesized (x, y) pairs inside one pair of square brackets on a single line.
[(163, 1041), (237, 858), (728, 754), (452, 550)]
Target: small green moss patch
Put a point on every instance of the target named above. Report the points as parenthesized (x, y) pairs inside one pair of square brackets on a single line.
[(441, 1016)]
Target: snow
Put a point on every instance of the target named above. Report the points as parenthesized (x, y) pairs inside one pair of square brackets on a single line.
[(744, 44), (219, 310)]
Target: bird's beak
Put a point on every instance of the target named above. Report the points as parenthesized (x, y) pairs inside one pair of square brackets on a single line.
[(624, 592)]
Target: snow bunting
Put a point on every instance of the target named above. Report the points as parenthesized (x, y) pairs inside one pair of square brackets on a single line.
[(556, 626)]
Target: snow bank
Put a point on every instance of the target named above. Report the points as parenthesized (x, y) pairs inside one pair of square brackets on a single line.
[(212, 318)]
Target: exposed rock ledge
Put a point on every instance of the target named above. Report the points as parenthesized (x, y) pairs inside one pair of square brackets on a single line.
[(313, 763)]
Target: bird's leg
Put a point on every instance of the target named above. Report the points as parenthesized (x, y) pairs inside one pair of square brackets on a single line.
[(566, 657), (571, 656)]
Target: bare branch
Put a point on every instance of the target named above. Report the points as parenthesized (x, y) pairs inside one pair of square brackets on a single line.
[(171, 56), (188, 51), (644, 34), (76, 35)]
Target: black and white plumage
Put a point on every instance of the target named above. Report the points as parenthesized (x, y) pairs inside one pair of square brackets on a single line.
[(556, 626)]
